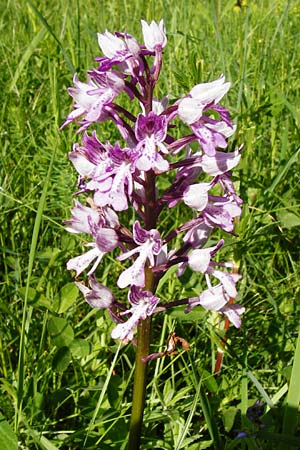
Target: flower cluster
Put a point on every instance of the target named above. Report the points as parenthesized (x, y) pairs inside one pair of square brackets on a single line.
[(114, 177)]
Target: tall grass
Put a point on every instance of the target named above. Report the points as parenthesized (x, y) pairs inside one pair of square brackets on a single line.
[(56, 355)]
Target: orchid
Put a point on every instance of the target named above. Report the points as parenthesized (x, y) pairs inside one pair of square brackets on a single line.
[(118, 176), (195, 166)]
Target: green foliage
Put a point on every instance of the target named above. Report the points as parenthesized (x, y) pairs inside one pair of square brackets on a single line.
[(65, 384)]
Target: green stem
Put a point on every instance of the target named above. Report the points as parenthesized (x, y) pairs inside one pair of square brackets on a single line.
[(139, 386), (144, 329)]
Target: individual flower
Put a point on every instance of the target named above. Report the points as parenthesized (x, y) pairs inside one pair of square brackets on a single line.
[(149, 245), (120, 49), (200, 260), (143, 304), (150, 131), (97, 296), (216, 299), (212, 134), (106, 240), (84, 219), (196, 195), (113, 182), (154, 35), (191, 108), (93, 99), (221, 212), (109, 169), (110, 44), (220, 162), (91, 157)]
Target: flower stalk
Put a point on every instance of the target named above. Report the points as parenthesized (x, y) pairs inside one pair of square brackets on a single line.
[(139, 384)]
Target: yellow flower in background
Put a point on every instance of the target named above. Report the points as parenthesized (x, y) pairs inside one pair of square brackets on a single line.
[(239, 5)]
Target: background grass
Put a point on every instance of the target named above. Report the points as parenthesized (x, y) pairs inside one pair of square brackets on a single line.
[(66, 384)]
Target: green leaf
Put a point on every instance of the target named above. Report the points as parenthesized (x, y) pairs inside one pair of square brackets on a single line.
[(62, 359), (288, 219), (291, 406), (32, 294), (8, 439), (228, 416), (80, 348), (30, 49), (66, 297), (41, 440), (209, 381), (60, 331), (195, 315)]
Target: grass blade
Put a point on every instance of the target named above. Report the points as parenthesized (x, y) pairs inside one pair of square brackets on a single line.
[(47, 26), (293, 397), (103, 392), (27, 310), (26, 56)]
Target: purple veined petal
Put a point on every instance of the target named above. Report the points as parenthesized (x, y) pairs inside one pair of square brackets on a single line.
[(125, 331), (106, 239), (134, 275), (234, 312), (219, 219), (81, 262), (228, 280), (232, 208), (143, 304), (209, 140), (144, 299), (151, 125), (213, 299), (97, 296), (140, 235), (103, 185), (222, 212), (223, 128), (90, 157), (210, 92), (198, 234), (154, 35), (107, 194), (220, 162), (83, 219), (229, 189), (196, 195)]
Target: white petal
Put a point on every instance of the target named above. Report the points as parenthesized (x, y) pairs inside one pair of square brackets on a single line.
[(81, 262)]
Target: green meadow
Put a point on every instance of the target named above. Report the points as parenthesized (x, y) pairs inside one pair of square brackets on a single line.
[(64, 383)]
